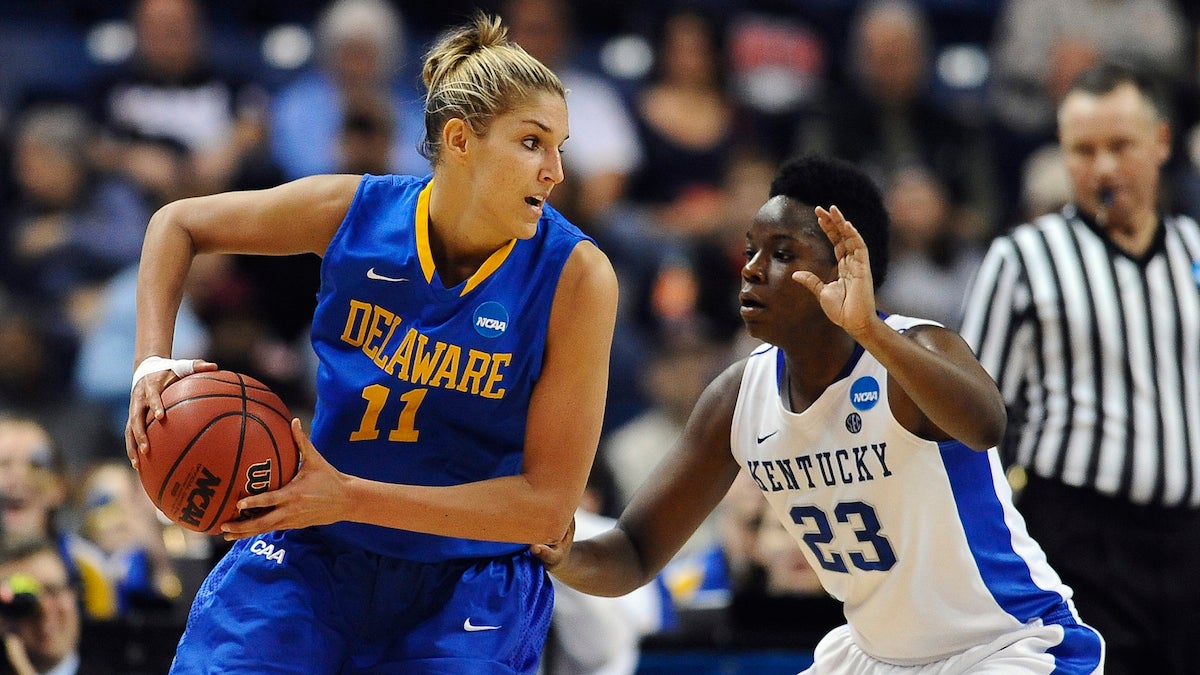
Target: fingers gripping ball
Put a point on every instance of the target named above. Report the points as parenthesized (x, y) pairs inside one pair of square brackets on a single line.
[(225, 436)]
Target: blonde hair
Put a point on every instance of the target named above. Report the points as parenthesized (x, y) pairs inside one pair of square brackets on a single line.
[(474, 73)]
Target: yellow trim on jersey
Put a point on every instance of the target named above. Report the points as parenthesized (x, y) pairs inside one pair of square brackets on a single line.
[(490, 265), (425, 253)]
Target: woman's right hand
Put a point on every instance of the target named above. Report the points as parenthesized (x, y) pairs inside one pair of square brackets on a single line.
[(145, 401)]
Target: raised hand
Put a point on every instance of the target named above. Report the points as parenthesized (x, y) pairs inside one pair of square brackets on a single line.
[(849, 300)]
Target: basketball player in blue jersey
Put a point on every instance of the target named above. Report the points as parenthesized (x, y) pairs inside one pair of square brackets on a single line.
[(463, 330), (872, 438)]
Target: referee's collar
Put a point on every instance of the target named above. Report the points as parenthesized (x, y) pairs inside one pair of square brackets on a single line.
[(1158, 244)]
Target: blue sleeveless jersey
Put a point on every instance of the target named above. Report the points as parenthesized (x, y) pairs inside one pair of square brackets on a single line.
[(422, 384)]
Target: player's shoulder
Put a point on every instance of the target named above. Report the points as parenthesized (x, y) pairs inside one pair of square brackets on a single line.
[(387, 193), (729, 383), (555, 225), (901, 322), (584, 258), (396, 184)]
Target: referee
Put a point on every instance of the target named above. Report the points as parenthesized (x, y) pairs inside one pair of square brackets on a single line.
[(1089, 319)]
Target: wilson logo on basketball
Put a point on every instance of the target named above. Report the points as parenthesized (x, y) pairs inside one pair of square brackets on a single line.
[(200, 497), (258, 477)]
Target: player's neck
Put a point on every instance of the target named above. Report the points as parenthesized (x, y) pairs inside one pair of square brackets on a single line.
[(819, 363)]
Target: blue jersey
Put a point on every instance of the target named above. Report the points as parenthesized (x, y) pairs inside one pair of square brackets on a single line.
[(422, 384)]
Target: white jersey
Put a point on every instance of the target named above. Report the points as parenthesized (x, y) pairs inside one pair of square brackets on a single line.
[(919, 539)]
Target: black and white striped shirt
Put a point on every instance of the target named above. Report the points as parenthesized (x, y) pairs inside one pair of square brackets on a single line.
[(1097, 355)]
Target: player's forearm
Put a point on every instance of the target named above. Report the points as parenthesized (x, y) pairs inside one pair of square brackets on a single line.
[(500, 509), (939, 374), (166, 258), (607, 565)]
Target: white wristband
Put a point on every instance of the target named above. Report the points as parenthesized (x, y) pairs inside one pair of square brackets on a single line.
[(154, 364)]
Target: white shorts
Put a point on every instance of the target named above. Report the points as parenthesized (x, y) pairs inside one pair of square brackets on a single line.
[(1036, 649)]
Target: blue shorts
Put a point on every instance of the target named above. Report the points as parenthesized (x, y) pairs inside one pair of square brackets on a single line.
[(293, 602)]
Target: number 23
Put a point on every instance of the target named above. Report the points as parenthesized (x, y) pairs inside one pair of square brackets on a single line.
[(867, 533)]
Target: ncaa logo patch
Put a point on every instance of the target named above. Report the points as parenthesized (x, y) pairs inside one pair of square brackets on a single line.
[(490, 319), (1196, 271), (864, 393)]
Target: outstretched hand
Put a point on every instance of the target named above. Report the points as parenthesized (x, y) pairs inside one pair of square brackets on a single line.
[(849, 300), (317, 495), (554, 554)]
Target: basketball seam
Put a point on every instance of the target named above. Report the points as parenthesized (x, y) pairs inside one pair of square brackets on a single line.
[(170, 474)]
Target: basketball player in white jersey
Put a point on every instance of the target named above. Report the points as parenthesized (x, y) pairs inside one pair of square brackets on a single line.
[(872, 437)]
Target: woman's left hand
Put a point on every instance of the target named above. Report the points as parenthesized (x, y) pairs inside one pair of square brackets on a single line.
[(317, 495)]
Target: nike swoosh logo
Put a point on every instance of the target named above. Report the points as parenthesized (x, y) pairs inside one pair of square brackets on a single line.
[(372, 274), (763, 438), (472, 628)]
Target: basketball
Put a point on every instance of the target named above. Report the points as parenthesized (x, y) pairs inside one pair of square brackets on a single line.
[(225, 436)]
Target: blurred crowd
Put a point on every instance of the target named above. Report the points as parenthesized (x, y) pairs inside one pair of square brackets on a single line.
[(679, 114)]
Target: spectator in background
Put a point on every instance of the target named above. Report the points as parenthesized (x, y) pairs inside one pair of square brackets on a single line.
[(100, 371), (781, 600), (1045, 184), (885, 118), (40, 614), (686, 118), (777, 63), (70, 227), (1039, 46), (30, 360), (365, 138), (33, 385), (672, 379), (1089, 320), (716, 255), (360, 56), (34, 493), (604, 148), (709, 577), (678, 285), (679, 279), (932, 261), (117, 516), (174, 123)]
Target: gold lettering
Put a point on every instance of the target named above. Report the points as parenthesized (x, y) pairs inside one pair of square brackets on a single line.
[(358, 310), (448, 368), (378, 315), (495, 376), (477, 367), (419, 359), (403, 354), (423, 362), (381, 359)]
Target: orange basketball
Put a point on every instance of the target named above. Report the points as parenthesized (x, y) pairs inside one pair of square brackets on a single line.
[(225, 436)]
